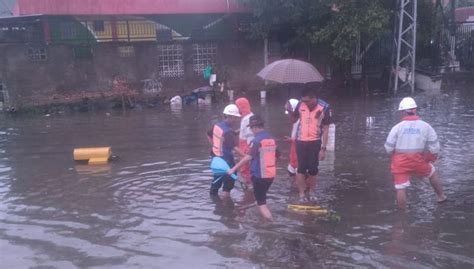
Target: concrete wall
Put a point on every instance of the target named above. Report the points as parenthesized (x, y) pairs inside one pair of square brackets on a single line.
[(32, 83)]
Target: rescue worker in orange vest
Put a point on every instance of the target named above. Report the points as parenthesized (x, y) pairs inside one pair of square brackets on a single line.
[(314, 117), (245, 137), (223, 140), (262, 158), (414, 146)]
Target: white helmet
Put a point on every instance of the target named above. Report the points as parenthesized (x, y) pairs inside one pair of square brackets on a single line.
[(232, 110), (293, 103), (407, 103)]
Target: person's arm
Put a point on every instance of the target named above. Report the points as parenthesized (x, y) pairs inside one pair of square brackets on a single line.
[(327, 120), (391, 140), (296, 114), (324, 142), (325, 137), (245, 159), (432, 142), (433, 145), (209, 136), (239, 151)]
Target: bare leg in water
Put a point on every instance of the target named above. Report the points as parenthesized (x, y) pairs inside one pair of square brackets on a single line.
[(225, 194), (401, 198), (437, 187), (305, 183), (311, 185), (301, 183), (265, 212)]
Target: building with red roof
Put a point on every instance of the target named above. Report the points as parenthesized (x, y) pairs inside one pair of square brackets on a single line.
[(57, 47), (464, 15)]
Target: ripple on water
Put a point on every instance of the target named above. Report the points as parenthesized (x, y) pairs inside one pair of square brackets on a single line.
[(152, 205)]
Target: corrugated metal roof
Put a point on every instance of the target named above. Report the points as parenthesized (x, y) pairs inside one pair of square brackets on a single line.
[(136, 7), (464, 14)]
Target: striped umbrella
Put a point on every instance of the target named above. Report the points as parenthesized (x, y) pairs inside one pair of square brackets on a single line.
[(290, 71)]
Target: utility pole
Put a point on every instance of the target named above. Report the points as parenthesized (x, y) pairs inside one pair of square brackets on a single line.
[(402, 75)]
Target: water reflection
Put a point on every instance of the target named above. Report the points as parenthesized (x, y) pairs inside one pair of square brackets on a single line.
[(152, 206), (92, 170)]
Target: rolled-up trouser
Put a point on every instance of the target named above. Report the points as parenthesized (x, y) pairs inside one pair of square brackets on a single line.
[(260, 189), (406, 165), (226, 181)]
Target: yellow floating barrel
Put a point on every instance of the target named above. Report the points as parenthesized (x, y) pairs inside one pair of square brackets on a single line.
[(98, 155)]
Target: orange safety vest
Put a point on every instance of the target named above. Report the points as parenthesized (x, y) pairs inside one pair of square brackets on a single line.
[(263, 164), (218, 132), (217, 140), (267, 158), (309, 128)]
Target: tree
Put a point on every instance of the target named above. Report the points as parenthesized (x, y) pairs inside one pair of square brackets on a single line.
[(335, 24), (431, 41)]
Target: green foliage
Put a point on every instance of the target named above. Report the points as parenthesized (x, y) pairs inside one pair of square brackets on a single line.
[(432, 38), (335, 24)]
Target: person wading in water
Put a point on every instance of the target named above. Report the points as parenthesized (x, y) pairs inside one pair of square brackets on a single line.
[(223, 140), (262, 158), (314, 116), (414, 146)]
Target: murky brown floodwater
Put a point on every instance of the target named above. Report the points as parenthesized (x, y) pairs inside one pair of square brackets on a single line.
[(151, 208)]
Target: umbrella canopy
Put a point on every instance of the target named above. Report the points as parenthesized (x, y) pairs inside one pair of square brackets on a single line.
[(219, 167), (290, 71)]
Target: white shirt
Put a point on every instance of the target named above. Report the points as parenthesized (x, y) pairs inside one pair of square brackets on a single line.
[(245, 132), (410, 136), (294, 130)]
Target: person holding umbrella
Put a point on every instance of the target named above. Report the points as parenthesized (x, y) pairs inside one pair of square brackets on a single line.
[(262, 158), (223, 140), (314, 116)]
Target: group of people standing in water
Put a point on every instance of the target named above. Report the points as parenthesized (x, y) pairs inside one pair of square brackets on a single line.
[(258, 150), (310, 116)]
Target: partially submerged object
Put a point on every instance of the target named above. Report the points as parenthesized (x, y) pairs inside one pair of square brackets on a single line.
[(429, 82), (176, 100), (93, 156), (308, 208)]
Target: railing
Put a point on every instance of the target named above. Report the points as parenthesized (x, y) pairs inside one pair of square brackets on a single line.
[(464, 44)]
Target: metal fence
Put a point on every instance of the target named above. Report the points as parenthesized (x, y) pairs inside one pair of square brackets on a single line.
[(464, 44)]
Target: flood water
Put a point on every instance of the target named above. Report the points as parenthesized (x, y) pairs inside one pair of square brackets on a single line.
[(151, 207)]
